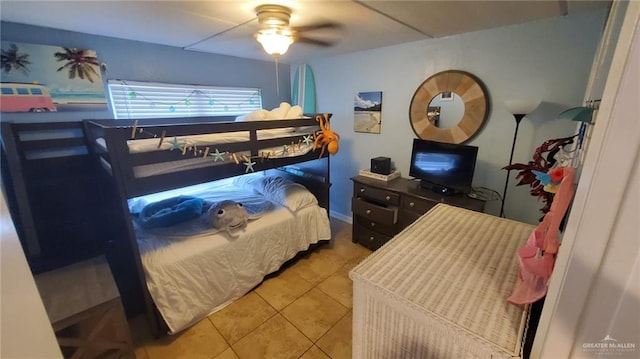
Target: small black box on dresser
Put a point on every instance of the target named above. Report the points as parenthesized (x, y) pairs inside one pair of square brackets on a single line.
[(381, 165)]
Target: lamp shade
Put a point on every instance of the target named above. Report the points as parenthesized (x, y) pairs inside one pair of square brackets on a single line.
[(274, 41), (521, 107), (581, 114)]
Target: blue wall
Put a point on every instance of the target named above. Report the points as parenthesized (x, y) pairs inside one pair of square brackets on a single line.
[(139, 61), (548, 60)]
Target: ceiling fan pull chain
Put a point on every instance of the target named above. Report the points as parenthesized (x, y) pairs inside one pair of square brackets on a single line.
[(277, 78)]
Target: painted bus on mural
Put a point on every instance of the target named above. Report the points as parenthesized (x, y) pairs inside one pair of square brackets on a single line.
[(23, 97)]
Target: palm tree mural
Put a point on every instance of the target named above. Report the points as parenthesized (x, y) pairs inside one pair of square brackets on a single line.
[(81, 63), (12, 59)]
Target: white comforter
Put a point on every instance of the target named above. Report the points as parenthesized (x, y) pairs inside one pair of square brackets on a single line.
[(191, 277)]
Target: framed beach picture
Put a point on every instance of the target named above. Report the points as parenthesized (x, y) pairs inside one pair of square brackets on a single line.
[(446, 96), (367, 109), (41, 78)]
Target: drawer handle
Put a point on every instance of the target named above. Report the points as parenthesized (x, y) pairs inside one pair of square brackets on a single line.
[(388, 198), (373, 224), (411, 204), (371, 239), (361, 190), (368, 211)]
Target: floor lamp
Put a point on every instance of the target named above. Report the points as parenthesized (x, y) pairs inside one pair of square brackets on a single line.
[(519, 109)]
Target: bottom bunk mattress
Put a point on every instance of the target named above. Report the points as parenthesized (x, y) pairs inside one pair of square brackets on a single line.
[(438, 290), (191, 276)]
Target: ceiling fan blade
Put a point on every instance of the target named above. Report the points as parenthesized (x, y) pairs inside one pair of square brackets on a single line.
[(310, 41), (324, 25)]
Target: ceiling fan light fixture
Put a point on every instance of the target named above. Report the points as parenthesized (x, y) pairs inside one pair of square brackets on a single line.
[(275, 41)]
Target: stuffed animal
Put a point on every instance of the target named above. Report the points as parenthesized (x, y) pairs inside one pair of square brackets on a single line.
[(228, 215), (550, 180), (170, 211)]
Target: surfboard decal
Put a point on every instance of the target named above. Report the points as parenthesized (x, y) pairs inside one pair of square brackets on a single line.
[(303, 92)]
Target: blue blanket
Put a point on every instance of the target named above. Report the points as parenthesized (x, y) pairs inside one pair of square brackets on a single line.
[(171, 211)]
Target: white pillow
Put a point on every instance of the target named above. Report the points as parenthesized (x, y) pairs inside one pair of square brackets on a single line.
[(257, 115), (246, 181), (294, 112), (279, 113), (280, 190)]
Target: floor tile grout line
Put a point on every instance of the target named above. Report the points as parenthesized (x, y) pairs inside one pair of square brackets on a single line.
[(333, 256), (296, 298), (218, 330), (251, 331), (273, 315), (295, 326), (336, 299), (320, 349), (276, 311), (323, 335)]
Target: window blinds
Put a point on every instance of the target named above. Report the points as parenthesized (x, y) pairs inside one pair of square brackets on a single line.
[(132, 100)]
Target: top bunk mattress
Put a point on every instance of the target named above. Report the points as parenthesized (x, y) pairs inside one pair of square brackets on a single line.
[(454, 268), (141, 145), (301, 143)]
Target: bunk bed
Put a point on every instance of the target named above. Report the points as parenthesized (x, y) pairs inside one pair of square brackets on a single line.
[(40, 162), (179, 279)]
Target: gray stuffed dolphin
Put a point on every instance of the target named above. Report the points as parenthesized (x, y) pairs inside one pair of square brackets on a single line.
[(228, 215)]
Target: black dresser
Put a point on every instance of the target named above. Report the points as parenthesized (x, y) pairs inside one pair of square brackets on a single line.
[(383, 209)]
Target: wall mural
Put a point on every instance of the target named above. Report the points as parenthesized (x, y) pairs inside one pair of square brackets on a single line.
[(367, 109), (40, 78)]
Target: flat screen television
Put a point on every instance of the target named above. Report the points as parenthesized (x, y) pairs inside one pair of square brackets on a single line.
[(443, 167)]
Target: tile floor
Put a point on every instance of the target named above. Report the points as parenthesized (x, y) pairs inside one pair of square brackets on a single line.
[(302, 311)]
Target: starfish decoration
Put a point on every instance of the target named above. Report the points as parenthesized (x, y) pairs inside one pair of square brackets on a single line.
[(249, 165), (218, 156), (175, 144), (285, 149), (307, 140)]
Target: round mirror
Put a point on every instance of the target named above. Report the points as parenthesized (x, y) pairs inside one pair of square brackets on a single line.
[(445, 110), (450, 106)]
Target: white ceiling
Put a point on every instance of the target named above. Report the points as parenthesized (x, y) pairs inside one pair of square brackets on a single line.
[(227, 27)]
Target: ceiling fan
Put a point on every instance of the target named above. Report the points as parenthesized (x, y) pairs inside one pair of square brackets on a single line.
[(275, 34)]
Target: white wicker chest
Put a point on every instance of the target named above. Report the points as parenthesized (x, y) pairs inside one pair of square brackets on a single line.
[(438, 290)]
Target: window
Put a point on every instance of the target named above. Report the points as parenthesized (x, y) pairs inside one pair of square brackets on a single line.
[(131, 99), (36, 91), (7, 91), (22, 91)]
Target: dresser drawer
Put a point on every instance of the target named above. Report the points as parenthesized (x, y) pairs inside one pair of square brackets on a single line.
[(376, 194), (374, 212), (389, 230), (370, 239), (418, 205), (407, 217)]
